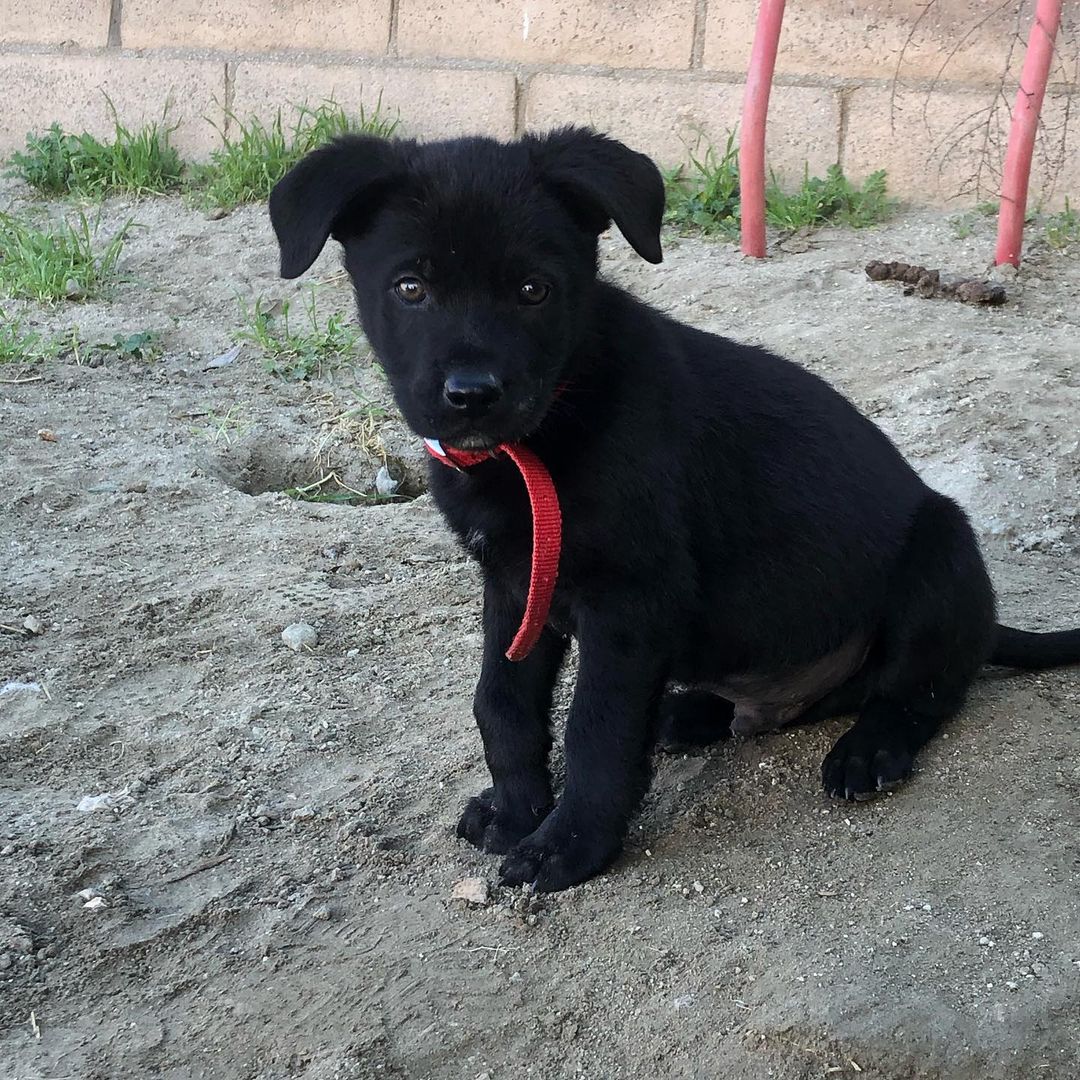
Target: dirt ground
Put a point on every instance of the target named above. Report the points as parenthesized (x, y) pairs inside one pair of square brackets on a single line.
[(274, 889)]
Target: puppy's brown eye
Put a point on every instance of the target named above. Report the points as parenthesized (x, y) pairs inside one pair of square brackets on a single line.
[(533, 292), (411, 290)]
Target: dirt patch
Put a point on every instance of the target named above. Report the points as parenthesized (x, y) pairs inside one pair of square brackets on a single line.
[(276, 878)]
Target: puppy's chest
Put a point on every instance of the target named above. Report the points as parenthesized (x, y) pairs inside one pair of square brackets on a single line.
[(498, 534)]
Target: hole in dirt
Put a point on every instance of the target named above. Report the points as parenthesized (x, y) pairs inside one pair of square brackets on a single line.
[(261, 465)]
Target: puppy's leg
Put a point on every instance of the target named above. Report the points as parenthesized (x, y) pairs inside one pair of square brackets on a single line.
[(938, 632), (691, 719), (512, 706), (608, 737)]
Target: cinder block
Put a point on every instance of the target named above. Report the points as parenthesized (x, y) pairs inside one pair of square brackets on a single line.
[(666, 117), (954, 40), (617, 33), (432, 102), (65, 22), (76, 90), (949, 146), (341, 25)]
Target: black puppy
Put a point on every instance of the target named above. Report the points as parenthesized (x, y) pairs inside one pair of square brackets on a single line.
[(732, 525)]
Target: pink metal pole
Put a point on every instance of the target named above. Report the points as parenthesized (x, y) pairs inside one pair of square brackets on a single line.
[(1025, 122), (752, 136)]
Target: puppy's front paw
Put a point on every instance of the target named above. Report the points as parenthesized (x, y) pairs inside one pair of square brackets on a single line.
[(557, 861), (491, 828)]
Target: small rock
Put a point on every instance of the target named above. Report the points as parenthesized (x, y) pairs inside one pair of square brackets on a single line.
[(472, 890), (299, 636), (303, 813), (33, 625), (47, 435), (385, 484), (5, 961), (322, 913), (117, 801), (1038, 936), (263, 812), (137, 787), (136, 487), (97, 904), (216, 213), (1038, 969), (7, 849), (225, 358), (73, 290)]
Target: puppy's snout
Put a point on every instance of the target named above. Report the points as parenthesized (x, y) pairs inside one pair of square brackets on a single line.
[(472, 392)]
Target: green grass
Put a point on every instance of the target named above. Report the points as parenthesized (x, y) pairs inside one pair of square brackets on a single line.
[(704, 195), (224, 427), (332, 489), (142, 345), (1063, 228), (140, 162), (251, 162), (832, 199), (21, 346), (298, 346), (59, 260)]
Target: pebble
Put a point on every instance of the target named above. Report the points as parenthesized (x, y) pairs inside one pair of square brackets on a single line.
[(96, 904), (73, 290), (33, 625), (299, 636), (385, 484), (5, 961), (473, 890), (8, 849), (303, 813), (216, 213)]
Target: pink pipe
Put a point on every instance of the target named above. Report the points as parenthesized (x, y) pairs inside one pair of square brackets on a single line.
[(1025, 123), (752, 136)]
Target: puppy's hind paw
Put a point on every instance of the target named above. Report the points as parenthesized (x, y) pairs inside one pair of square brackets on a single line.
[(859, 768)]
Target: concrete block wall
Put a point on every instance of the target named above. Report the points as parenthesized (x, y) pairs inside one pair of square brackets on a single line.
[(922, 90)]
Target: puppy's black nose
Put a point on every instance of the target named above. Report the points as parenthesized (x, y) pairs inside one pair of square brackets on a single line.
[(473, 392)]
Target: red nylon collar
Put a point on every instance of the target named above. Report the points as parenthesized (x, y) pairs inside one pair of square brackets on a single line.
[(546, 530)]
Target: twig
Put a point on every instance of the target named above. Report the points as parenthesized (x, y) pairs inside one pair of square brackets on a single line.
[(196, 868), (21, 382)]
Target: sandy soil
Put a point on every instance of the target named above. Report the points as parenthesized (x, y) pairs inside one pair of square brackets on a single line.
[(277, 886)]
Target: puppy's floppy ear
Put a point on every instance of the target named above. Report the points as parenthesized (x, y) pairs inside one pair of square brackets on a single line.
[(337, 184), (600, 180)]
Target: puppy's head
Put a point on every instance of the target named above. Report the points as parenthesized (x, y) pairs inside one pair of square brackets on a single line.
[(474, 262)]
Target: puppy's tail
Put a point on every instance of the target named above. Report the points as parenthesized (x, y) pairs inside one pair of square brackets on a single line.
[(1025, 649)]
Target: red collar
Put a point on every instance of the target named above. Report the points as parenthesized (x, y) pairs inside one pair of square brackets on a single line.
[(547, 532)]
